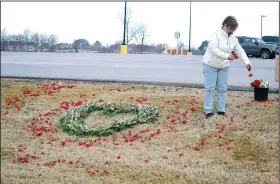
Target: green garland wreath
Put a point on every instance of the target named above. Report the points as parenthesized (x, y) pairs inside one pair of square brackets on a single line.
[(73, 122)]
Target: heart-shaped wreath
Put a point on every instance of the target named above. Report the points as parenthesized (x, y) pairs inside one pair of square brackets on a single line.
[(73, 121)]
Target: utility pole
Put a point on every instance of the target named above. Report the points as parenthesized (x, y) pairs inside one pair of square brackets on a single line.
[(124, 23), (124, 46), (190, 26), (261, 24)]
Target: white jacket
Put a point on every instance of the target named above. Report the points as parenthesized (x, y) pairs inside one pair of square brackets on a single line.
[(220, 47)]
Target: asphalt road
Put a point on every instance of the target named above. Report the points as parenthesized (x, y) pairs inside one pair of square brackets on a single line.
[(146, 67)]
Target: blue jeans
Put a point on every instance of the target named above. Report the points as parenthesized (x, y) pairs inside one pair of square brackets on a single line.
[(215, 78)]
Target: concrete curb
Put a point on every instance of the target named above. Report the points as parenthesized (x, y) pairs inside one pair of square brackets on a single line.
[(188, 85)]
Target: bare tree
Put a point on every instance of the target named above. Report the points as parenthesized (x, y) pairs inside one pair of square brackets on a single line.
[(52, 40), (20, 37), (130, 29), (15, 37), (42, 41), (141, 35), (4, 34), (35, 39), (27, 36)]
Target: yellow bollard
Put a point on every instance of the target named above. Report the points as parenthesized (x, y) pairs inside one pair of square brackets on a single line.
[(277, 68), (189, 53), (177, 51), (123, 49), (182, 51)]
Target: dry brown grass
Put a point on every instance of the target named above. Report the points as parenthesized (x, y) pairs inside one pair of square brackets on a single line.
[(248, 151)]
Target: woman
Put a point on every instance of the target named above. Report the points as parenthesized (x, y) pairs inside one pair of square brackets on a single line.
[(216, 62)]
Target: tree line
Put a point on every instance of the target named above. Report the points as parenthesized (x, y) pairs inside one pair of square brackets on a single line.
[(34, 41), (24, 41), (29, 41), (137, 35)]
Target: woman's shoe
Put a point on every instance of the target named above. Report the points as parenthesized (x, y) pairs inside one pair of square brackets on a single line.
[(221, 113), (208, 115)]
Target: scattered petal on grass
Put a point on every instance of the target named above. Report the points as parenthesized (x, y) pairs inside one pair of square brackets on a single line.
[(42, 124), (139, 101), (71, 86), (228, 148), (107, 162), (23, 159), (185, 122), (64, 105), (106, 172), (35, 94), (196, 148), (181, 155), (81, 143), (193, 109), (26, 91), (202, 142)]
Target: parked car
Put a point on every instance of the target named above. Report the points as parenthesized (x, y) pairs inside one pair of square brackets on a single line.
[(271, 40), (257, 47)]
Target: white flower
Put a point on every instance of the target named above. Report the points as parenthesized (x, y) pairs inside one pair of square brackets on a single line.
[(264, 85)]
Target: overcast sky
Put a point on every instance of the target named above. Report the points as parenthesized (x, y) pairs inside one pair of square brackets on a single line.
[(99, 20)]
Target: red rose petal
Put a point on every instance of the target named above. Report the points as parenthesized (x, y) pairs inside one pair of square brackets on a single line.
[(228, 148), (196, 148)]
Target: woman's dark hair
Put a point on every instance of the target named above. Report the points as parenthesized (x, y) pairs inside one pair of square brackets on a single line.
[(230, 22)]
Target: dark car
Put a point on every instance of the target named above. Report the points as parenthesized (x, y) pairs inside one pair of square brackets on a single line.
[(271, 40), (257, 47)]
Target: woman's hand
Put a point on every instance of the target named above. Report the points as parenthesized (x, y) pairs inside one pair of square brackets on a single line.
[(249, 68), (232, 57)]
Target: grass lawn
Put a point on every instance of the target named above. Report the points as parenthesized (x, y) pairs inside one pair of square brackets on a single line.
[(180, 147)]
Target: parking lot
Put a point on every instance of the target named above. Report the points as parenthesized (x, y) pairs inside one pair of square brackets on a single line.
[(131, 67)]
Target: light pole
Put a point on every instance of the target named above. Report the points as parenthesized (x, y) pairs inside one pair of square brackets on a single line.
[(177, 36), (261, 24), (190, 28), (124, 46), (124, 23)]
